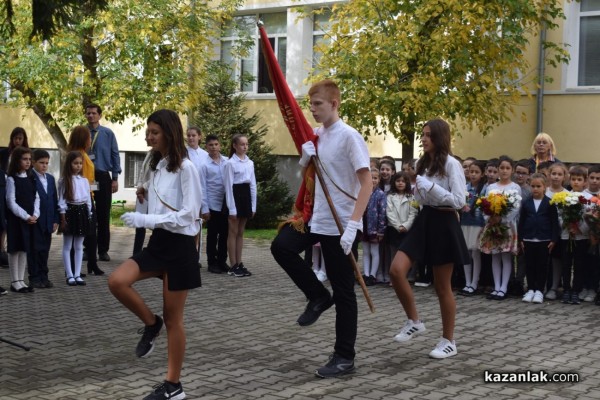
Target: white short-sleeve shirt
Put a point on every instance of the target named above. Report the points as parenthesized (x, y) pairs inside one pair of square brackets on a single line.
[(342, 152)]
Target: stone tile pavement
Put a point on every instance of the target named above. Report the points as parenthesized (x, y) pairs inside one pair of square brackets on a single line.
[(243, 342)]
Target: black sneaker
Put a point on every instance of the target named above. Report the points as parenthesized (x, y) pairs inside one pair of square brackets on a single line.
[(103, 257), (149, 334), (575, 298), (3, 291), (244, 269), (336, 366), (313, 310), (566, 298), (167, 390), (236, 271)]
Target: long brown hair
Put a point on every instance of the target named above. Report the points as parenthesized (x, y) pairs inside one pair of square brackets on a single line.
[(440, 137), (15, 132), (172, 129), (78, 140), (67, 174), (15, 160)]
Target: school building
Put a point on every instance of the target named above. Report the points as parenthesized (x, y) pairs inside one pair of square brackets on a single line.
[(568, 108)]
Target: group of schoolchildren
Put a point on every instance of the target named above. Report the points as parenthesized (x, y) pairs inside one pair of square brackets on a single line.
[(540, 247), (537, 250), (33, 206)]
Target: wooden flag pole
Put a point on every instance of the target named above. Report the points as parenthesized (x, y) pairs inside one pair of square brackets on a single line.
[(357, 273)]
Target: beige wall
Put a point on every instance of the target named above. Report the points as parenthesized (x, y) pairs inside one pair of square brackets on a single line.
[(280, 138), (128, 137)]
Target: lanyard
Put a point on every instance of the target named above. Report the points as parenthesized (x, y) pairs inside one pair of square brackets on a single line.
[(94, 139)]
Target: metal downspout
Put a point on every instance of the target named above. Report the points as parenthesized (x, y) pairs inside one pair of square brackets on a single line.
[(540, 90)]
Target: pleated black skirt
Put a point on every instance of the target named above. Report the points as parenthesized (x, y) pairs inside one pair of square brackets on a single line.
[(435, 238)]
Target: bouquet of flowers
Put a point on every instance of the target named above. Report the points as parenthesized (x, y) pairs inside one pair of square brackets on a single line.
[(571, 205), (591, 216), (496, 236)]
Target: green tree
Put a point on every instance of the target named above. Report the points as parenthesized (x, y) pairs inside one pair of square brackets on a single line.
[(221, 112), (400, 63), (131, 57)]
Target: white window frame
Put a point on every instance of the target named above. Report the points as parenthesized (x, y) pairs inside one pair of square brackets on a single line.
[(256, 55), (571, 36)]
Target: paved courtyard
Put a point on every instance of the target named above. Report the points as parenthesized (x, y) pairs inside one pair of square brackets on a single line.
[(243, 342)]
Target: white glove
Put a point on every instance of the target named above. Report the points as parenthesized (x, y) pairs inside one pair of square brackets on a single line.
[(308, 150), (139, 220), (424, 183), (349, 235)]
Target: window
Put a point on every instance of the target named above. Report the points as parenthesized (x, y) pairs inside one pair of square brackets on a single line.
[(321, 24), (133, 167), (583, 36), (251, 62), (589, 43)]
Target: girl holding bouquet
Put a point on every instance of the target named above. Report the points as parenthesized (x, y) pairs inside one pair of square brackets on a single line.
[(435, 237), (499, 236), (471, 223)]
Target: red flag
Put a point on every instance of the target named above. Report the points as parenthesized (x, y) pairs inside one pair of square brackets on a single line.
[(299, 128)]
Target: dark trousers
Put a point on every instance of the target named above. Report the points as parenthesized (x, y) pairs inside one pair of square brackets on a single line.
[(90, 243), (138, 241), (286, 249), (37, 258), (574, 257), (103, 197), (536, 264), (216, 238)]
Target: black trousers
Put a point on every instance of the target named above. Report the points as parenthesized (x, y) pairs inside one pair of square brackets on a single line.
[(286, 249), (103, 197), (216, 238), (536, 264), (37, 258), (574, 256), (90, 243)]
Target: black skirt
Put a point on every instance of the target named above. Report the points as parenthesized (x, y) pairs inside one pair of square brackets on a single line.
[(243, 201), (173, 253), (435, 238), (77, 217)]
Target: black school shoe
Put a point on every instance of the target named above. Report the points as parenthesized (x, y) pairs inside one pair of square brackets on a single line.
[(314, 309), (336, 366)]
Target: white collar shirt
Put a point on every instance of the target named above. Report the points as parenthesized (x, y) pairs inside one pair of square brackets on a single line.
[(81, 193), (449, 190), (197, 156), (238, 171), (43, 179), (211, 180), (176, 198), (342, 152)]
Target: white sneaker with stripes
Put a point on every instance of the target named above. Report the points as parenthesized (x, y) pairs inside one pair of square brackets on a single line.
[(409, 330), (444, 349)]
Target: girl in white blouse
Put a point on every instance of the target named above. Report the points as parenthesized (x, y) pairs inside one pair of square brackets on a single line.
[(174, 200), (435, 237), (75, 205), (240, 195)]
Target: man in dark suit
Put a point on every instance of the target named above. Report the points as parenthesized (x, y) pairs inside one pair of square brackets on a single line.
[(47, 222)]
